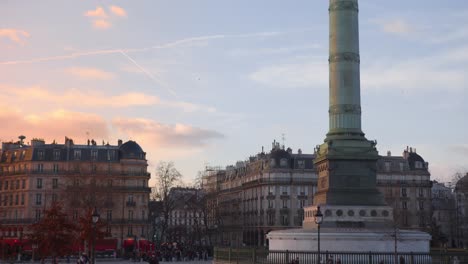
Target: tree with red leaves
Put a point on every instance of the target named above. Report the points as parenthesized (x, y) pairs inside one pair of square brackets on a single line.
[(54, 234)]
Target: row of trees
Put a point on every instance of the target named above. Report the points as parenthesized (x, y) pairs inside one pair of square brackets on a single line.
[(57, 235)]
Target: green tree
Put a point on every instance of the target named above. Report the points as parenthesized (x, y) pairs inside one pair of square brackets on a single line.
[(54, 233)]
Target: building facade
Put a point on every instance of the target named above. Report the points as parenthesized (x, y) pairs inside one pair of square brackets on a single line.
[(443, 215), (112, 178), (461, 215), (269, 191)]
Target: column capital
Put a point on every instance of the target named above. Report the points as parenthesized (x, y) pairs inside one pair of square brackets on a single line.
[(344, 5)]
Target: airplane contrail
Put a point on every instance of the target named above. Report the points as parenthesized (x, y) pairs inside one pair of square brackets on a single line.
[(149, 74), (173, 44)]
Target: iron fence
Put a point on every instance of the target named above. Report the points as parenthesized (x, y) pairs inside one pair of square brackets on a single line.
[(262, 256)]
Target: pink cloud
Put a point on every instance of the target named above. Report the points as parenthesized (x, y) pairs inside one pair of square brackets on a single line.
[(98, 12), (16, 35), (101, 24), (90, 73), (118, 11), (52, 125), (179, 136)]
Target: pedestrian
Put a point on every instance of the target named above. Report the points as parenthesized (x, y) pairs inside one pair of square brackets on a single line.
[(456, 260)]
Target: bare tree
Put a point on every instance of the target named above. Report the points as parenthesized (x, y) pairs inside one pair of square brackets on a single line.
[(167, 177)]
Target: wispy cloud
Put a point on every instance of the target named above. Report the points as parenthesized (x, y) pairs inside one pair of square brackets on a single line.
[(97, 13), (292, 75), (396, 26), (16, 35), (118, 11), (164, 135), (90, 73)]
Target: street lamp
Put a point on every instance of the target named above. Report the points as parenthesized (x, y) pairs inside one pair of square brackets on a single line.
[(318, 218), (94, 219)]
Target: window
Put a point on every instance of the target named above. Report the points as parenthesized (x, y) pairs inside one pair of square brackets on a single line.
[(285, 190), (17, 184), (130, 231), (54, 183), (23, 184), (143, 215), (40, 154), (110, 155), (270, 204), (17, 199), (404, 205), (54, 197), (271, 190), (38, 215), (142, 231), (285, 203), (40, 167), (6, 185), (301, 164), (403, 192), (130, 197), (56, 154), (301, 203), (109, 215), (271, 219), (94, 154), (130, 214), (418, 165), (283, 162), (22, 199), (38, 199), (1, 185), (421, 205), (387, 166), (56, 168), (285, 220), (402, 166), (272, 163), (75, 215), (39, 183), (421, 192), (5, 200), (302, 190), (11, 199), (77, 154)]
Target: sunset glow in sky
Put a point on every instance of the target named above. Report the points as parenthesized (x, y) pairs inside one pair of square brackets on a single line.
[(209, 82)]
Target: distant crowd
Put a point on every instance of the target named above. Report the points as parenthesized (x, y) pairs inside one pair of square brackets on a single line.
[(179, 252)]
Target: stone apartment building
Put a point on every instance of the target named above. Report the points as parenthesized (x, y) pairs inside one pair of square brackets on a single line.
[(269, 191), (112, 178), (461, 213), (444, 215)]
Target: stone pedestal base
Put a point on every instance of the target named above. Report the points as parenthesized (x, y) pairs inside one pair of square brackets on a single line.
[(349, 240)]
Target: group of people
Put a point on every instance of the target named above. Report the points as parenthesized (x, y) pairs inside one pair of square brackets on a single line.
[(179, 252)]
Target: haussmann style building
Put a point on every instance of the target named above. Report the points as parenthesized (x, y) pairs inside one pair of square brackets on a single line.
[(112, 178), (269, 191)]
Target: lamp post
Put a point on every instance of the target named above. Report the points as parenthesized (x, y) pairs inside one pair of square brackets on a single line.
[(95, 219), (318, 218)]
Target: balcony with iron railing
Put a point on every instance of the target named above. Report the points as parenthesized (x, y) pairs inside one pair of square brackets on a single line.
[(73, 171)]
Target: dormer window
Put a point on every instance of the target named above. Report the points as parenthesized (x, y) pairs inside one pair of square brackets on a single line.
[(283, 162), (272, 163), (387, 166), (77, 154), (301, 164), (40, 155), (418, 165), (56, 154), (94, 154)]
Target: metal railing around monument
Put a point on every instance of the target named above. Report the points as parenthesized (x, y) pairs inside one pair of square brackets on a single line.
[(263, 256)]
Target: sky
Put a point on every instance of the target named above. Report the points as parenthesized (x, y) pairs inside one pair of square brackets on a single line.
[(209, 82)]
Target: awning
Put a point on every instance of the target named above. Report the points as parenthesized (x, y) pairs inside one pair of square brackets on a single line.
[(129, 242), (106, 244), (10, 241)]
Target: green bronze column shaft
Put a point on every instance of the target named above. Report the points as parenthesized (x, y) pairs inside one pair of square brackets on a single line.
[(345, 95)]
